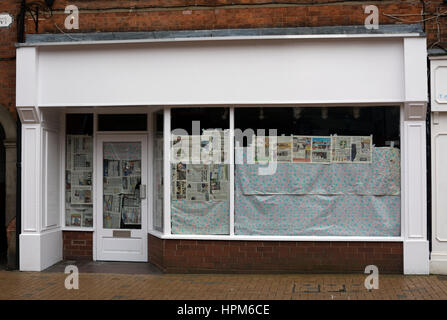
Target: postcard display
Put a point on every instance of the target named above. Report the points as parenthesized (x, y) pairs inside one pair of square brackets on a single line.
[(200, 184), (78, 181), (122, 178), (322, 186)]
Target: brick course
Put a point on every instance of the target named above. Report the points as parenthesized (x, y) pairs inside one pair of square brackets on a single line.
[(221, 256), (78, 245)]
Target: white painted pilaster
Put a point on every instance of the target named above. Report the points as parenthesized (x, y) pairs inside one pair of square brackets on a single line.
[(438, 256), (414, 192)]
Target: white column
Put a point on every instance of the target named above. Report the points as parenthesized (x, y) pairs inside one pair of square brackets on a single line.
[(40, 239), (414, 168), (416, 248)]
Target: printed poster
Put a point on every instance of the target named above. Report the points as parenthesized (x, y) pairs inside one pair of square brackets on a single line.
[(361, 149), (321, 149), (284, 149), (302, 148), (341, 149)]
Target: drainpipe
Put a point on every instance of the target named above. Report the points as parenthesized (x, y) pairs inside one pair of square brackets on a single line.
[(21, 23)]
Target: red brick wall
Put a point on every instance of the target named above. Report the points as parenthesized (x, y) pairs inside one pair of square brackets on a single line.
[(78, 245), (152, 15), (191, 256), (8, 38), (155, 251)]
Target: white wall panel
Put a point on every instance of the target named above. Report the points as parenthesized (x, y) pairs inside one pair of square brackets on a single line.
[(257, 71), (416, 87), (30, 177), (438, 84), (51, 178), (26, 84)]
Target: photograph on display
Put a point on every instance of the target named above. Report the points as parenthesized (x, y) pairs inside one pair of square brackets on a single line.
[(341, 149), (284, 149), (361, 149), (302, 148), (321, 149)]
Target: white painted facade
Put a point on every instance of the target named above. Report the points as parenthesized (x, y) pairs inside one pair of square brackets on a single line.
[(319, 70), (438, 73)]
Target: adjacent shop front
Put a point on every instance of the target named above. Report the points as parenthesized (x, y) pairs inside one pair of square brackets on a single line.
[(226, 151)]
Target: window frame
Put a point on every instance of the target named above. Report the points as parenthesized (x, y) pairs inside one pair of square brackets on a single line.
[(166, 234)]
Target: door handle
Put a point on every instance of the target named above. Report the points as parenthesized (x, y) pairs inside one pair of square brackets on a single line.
[(142, 191)]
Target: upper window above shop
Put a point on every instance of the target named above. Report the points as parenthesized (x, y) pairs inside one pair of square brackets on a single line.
[(122, 122)]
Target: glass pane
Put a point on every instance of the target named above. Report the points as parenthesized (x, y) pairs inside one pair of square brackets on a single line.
[(331, 171), (158, 172), (121, 185), (200, 171), (79, 171)]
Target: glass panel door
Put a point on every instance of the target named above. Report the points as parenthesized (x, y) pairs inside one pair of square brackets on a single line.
[(121, 185)]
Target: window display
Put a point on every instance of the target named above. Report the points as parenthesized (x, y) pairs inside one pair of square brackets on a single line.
[(121, 185), (336, 175), (79, 171), (199, 172)]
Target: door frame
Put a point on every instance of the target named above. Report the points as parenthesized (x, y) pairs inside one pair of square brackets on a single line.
[(123, 136)]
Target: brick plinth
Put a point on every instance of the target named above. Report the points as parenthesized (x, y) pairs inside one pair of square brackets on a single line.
[(201, 256), (78, 245)]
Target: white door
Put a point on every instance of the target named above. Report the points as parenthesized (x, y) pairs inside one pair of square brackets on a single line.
[(121, 204)]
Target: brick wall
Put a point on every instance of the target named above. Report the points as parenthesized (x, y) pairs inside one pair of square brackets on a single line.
[(191, 256), (8, 38), (78, 245)]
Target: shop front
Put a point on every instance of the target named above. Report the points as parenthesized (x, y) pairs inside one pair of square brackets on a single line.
[(279, 151)]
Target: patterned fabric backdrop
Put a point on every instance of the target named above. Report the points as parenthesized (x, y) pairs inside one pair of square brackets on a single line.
[(338, 199)]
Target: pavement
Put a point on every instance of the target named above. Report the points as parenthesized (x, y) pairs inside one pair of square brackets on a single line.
[(105, 281)]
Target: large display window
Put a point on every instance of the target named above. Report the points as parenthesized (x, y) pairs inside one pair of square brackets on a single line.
[(333, 172), (298, 171)]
